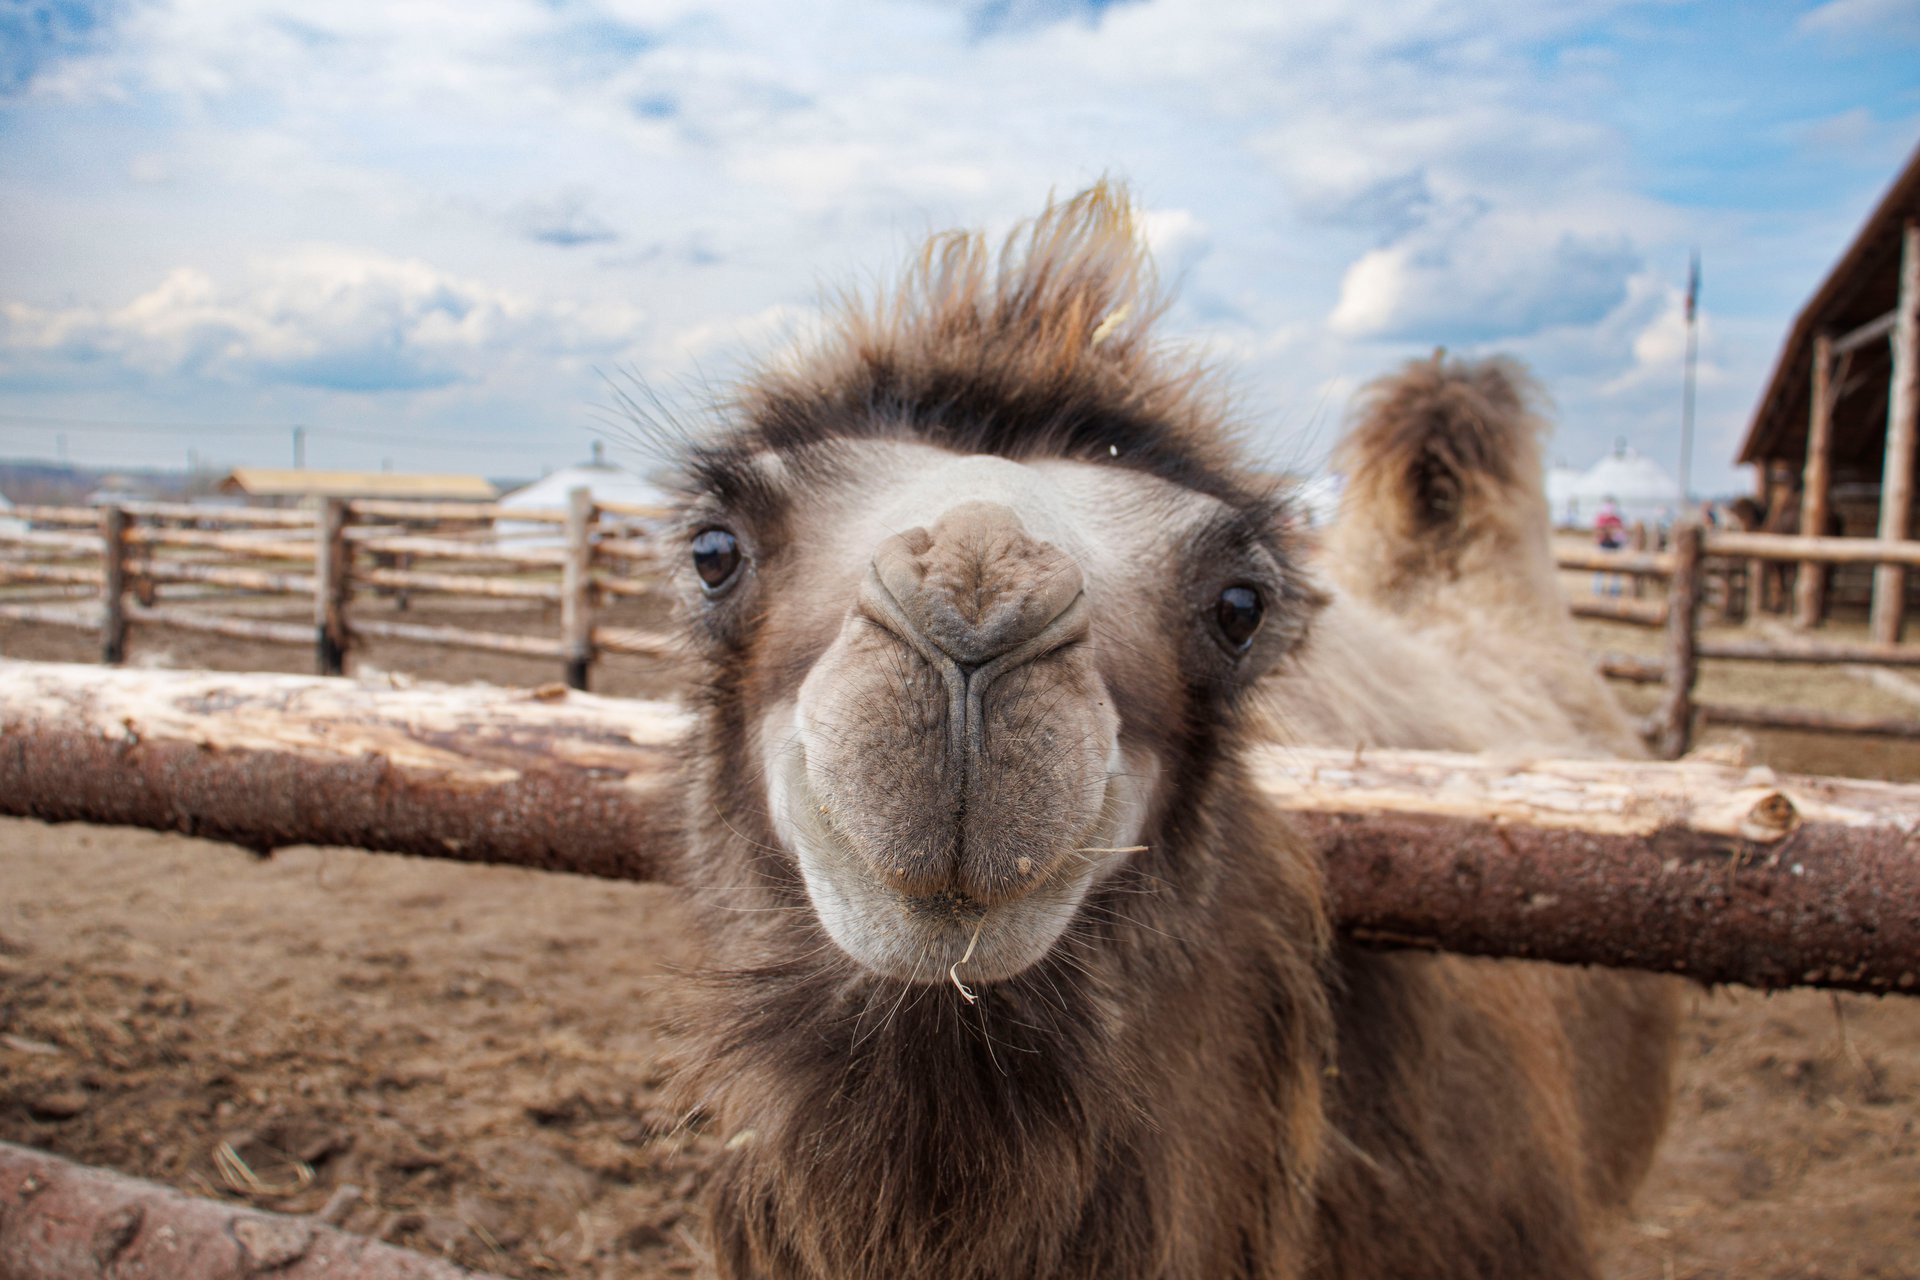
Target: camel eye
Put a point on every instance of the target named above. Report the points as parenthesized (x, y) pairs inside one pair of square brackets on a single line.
[(1237, 613), (716, 558)]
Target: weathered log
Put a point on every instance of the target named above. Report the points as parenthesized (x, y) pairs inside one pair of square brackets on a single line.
[(64, 1221), (78, 544), (1888, 611), (1787, 547), (1643, 613), (285, 584), (1810, 586), (455, 549), (16, 572), (628, 548), (85, 617), (1720, 873), (459, 584), (272, 544), (1810, 720), (1794, 649), (221, 517), (638, 510), (1714, 871), (184, 618), (1631, 667), (456, 637), (113, 584), (636, 588), (635, 640), (482, 774), (81, 516), (576, 587), (409, 509), (1655, 564), (1674, 715)]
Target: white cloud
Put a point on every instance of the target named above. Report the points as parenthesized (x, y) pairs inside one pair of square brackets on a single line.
[(1878, 18), (1332, 186), (1177, 239), (1482, 275), (318, 317)]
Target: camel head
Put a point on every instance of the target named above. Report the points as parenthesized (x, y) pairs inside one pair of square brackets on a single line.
[(978, 584)]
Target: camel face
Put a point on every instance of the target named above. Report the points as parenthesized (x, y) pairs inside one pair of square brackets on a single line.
[(987, 665)]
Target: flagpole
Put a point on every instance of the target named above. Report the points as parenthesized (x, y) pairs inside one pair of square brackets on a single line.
[(1686, 400)]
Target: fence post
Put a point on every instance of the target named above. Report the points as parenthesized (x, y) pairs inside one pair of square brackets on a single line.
[(576, 587), (1903, 422), (330, 552), (1809, 599), (113, 584), (1673, 721), (1638, 542)]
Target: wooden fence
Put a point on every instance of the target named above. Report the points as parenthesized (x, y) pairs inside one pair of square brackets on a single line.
[(1695, 557), (107, 569), (119, 560)]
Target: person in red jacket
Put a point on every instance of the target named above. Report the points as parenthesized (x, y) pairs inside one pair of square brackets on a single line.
[(1610, 532)]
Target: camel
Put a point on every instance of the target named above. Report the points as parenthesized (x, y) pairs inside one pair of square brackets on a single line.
[(1006, 970)]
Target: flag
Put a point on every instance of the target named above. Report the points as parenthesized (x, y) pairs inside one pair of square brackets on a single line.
[(1693, 284)]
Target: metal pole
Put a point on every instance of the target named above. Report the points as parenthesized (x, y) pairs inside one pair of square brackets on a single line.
[(1686, 400)]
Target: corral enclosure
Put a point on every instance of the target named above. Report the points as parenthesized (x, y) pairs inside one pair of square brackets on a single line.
[(479, 1050)]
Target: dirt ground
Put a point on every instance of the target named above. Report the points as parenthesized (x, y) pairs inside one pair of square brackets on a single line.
[(477, 1049)]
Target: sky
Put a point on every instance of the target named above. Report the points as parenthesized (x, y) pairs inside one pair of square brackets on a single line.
[(443, 237)]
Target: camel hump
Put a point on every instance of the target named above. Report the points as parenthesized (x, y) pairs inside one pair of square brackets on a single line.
[(1444, 474), (1443, 447)]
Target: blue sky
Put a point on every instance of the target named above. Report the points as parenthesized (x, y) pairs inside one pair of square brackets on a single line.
[(428, 233)]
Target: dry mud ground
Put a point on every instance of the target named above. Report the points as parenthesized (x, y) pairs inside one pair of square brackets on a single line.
[(477, 1049)]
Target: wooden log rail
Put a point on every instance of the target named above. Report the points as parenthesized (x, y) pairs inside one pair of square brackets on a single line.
[(402, 548), (455, 549), (64, 1221), (1720, 873), (1792, 548), (1653, 564), (452, 512), (1641, 613)]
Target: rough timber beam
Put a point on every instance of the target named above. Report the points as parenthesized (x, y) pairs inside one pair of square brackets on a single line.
[(64, 1221), (1714, 871)]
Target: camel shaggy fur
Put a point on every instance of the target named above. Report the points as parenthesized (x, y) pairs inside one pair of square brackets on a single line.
[(1008, 971)]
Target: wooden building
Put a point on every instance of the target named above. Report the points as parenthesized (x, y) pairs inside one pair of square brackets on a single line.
[(292, 487), (1834, 434)]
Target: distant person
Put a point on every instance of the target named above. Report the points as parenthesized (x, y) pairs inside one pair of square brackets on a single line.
[(1609, 530), (1610, 534)]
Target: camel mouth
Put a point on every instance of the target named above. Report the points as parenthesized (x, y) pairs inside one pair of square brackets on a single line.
[(920, 938)]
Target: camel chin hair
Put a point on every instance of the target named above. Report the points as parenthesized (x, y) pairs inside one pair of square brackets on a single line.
[(1005, 968)]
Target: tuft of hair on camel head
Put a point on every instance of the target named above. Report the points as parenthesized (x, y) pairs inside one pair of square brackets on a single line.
[(973, 581)]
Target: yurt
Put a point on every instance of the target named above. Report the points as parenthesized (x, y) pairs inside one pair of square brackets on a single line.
[(1563, 496), (549, 492), (1633, 482)]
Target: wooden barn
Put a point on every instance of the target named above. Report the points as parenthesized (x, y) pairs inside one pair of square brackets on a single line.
[(1833, 436), (282, 487)]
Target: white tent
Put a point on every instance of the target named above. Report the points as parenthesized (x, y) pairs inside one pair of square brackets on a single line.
[(8, 522), (1563, 496), (607, 484), (1636, 484)]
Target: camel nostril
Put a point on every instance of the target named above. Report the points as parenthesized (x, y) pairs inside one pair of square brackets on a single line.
[(976, 587)]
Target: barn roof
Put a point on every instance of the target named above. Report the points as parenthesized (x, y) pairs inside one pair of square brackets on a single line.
[(1861, 288), (275, 482)]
